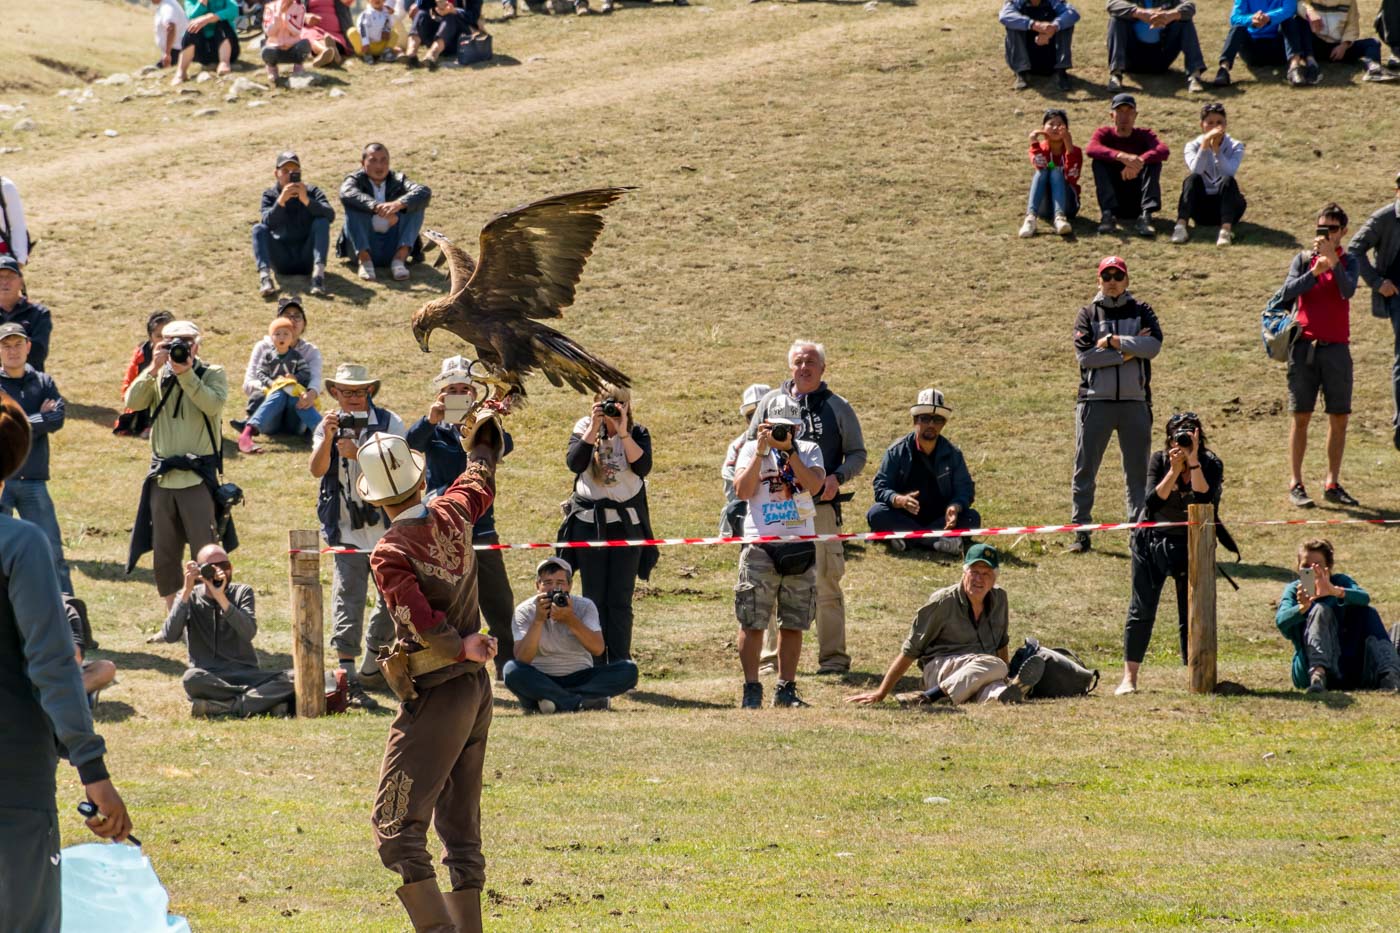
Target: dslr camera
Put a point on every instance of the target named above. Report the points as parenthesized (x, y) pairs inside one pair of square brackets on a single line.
[(559, 598), (207, 571), (780, 432), (180, 350), (611, 407), (1183, 439), (351, 423)]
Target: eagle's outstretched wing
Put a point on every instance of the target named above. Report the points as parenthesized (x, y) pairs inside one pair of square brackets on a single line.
[(460, 266), (532, 256)]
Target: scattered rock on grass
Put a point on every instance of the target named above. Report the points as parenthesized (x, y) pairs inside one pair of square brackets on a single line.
[(25, 125), (205, 76), (244, 85), (257, 103), (937, 800), (303, 81), (401, 81), (114, 79), (147, 70), (206, 112), (109, 133), (335, 92), (188, 91)]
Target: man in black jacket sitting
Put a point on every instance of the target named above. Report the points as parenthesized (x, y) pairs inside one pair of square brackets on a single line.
[(383, 214), (295, 233)]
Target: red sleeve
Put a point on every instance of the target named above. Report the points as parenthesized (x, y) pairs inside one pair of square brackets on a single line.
[(1036, 150), (133, 369), (398, 585), (1159, 151), (1074, 163), (1096, 148), (471, 494)]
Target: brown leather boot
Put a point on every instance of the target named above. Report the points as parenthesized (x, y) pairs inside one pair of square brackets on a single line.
[(426, 908), (465, 909)]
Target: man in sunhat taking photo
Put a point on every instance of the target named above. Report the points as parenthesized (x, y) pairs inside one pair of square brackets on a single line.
[(426, 570), (923, 483)]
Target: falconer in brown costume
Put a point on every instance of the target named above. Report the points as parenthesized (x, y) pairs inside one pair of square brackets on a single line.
[(426, 570)]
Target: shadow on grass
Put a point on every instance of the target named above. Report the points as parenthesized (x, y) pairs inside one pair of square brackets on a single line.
[(142, 661), (671, 702), (1259, 572), (112, 570), (112, 711), (1332, 699), (100, 415)]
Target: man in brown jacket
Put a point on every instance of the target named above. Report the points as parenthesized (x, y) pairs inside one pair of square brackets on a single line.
[(426, 570)]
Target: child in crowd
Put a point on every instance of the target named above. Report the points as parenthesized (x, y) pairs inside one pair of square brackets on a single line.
[(1210, 194), (281, 379), (282, 42), (131, 423), (1055, 185), (376, 27), (170, 23)]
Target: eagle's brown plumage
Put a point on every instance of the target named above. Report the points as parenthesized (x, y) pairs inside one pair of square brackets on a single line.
[(531, 259)]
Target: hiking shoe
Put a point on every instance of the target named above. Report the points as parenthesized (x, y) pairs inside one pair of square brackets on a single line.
[(897, 545), (594, 703), (546, 707), (581, 8), (1107, 224), (948, 546), (1063, 81), (1389, 682), (508, 11), (1317, 682), (606, 6), (1081, 543), (786, 696), (1115, 82), (912, 700), (1011, 694), (318, 282), (361, 700), (1298, 495), (828, 670), (1335, 493), (1180, 233), (1194, 85), (753, 696), (399, 270), (210, 709), (266, 288), (1032, 669), (1222, 77), (1144, 227), (367, 270), (1296, 76), (1224, 237), (1062, 225), (1028, 227), (389, 57), (1020, 84), (1312, 73)]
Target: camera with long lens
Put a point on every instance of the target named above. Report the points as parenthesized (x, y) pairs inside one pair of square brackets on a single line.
[(780, 432), (180, 350), (1183, 439), (351, 423), (208, 571), (559, 598), (612, 408)]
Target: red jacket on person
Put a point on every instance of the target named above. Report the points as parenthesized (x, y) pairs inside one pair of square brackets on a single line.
[(1070, 162)]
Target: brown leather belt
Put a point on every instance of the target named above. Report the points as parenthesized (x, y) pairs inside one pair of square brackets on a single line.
[(427, 661)]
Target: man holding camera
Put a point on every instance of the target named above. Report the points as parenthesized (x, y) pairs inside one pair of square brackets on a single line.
[(180, 505), (348, 521), (217, 620), (1322, 282), (557, 636), (16, 308), (295, 232), (1115, 339), (1379, 237), (829, 422)]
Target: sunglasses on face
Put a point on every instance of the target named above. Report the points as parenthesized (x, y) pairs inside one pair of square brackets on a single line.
[(1113, 275), (930, 419)]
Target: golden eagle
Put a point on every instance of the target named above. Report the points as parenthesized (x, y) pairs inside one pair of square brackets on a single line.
[(531, 259)]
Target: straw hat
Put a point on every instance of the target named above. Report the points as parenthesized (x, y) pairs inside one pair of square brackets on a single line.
[(347, 375)]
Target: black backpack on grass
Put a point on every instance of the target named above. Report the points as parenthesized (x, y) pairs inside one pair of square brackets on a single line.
[(1065, 674)]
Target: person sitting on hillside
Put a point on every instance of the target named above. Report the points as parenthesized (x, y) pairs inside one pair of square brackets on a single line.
[(1267, 33), (383, 214), (289, 308), (294, 234), (97, 675), (440, 26), (283, 43), (1210, 195), (326, 23), (1055, 186), (557, 636), (217, 619), (960, 639), (375, 30), (1146, 36), (16, 308), (210, 38), (1339, 641), (1388, 29), (1127, 161), (923, 483), (171, 23), (282, 378), (138, 423), (1039, 34), (1336, 37), (731, 517)]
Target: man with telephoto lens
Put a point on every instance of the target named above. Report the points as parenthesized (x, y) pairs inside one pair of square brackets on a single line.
[(556, 637), (179, 507), (348, 521), (217, 619)]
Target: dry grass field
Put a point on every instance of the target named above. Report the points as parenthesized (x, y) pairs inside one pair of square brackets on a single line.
[(823, 169)]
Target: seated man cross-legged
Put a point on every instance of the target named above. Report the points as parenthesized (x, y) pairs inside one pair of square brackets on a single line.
[(1038, 38), (1147, 36), (1267, 33), (1336, 37), (557, 636), (1127, 164)]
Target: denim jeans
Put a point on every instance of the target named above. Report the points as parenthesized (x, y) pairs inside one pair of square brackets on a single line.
[(531, 684), (359, 230), (278, 414), (1126, 52), (288, 256), (1022, 54), (1292, 39), (1051, 194), (30, 497)]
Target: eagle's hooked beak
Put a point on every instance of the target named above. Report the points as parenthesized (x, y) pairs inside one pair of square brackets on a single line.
[(422, 337)]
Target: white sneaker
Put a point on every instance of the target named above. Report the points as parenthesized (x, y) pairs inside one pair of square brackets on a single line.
[(1180, 233), (399, 270), (367, 271), (1062, 225), (1225, 238), (1028, 227), (546, 706)]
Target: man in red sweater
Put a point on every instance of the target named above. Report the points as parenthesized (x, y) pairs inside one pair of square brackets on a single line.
[(1322, 281), (426, 571), (1127, 163)]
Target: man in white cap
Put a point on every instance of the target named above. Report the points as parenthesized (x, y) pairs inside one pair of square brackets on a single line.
[(348, 521), (438, 436), (557, 636), (178, 509), (923, 483), (426, 569), (778, 474), (731, 517)]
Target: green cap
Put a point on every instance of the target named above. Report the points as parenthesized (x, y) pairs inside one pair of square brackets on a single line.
[(984, 553)]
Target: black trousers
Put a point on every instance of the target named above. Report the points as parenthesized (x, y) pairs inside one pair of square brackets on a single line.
[(609, 579), (1226, 206), (30, 892), (496, 600), (1156, 557), (1127, 198)]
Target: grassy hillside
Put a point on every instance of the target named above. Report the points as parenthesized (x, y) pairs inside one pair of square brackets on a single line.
[(822, 170)]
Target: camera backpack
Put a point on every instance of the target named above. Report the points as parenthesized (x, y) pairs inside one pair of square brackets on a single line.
[(1065, 674), (1278, 327)]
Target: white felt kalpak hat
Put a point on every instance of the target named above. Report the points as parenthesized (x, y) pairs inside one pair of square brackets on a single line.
[(389, 470), (930, 402)]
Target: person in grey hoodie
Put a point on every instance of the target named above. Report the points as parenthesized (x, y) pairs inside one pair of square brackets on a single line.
[(43, 713), (1115, 338), (1377, 250)]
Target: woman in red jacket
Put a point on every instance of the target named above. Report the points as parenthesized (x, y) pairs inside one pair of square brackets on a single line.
[(132, 423), (1055, 185)]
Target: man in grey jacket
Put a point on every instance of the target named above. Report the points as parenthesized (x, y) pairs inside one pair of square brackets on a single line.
[(1146, 38), (830, 422), (1115, 339), (383, 214), (1380, 237)]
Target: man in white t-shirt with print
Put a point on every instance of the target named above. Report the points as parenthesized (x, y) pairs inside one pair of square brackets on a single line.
[(557, 636), (777, 473)]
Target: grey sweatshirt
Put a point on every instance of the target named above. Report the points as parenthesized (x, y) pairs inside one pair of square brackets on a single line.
[(1109, 375), (218, 641)]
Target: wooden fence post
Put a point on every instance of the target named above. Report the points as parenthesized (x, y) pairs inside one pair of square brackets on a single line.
[(1200, 585), (308, 646)]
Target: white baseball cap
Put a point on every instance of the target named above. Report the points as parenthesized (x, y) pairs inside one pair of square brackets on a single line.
[(784, 409), (186, 329), (389, 470), (455, 369), (554, 563), (930, 402), (752, 396)]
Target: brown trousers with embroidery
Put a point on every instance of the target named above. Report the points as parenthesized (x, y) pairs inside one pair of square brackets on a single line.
[(432, 770)]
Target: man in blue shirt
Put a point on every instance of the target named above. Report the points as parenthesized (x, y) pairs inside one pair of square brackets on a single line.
[(1038, 38), (1266, 33), (1146, 36)]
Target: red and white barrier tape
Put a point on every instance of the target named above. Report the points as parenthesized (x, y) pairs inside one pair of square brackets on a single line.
[(877, 535)]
